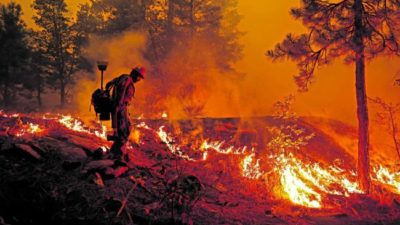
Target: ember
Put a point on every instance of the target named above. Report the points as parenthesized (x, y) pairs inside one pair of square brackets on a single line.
[(28, 128)]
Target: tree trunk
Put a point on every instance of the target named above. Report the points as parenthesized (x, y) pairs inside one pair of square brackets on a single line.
[(6, 95), (39, 93), (62, 92), (394, 130), (170, 15), (363, 167)]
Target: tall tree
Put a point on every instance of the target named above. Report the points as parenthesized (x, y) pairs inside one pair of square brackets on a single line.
[(35, 79), (171, 25), (62, 51), (13, 47), (355, 30), (176, 24)]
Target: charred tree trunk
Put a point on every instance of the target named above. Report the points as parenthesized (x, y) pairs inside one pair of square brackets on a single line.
[(363, 167)]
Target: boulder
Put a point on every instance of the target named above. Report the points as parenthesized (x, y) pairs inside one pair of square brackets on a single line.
[(28, 151)]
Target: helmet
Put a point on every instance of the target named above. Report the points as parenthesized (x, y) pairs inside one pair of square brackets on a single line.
[(138, 72)]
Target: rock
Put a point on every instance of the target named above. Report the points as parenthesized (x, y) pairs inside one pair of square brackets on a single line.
[(99, 164), (73, 154), (6, 144), (71, 165), (99, 153), (28, 150), (67, 151)]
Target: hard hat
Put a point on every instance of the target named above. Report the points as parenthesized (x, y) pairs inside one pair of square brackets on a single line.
[(138, 72)]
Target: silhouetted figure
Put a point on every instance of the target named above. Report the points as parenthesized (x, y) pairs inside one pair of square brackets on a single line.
[(123, 90)]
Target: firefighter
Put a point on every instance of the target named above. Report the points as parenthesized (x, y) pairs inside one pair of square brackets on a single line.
[(123, 91)]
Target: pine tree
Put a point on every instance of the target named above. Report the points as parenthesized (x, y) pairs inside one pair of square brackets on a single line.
[(35, 78), (13, 48), (176, 24), (62, 50), (171, 25), (355, 30)]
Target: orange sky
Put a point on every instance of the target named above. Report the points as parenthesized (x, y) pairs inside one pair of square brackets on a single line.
[(265, 24)]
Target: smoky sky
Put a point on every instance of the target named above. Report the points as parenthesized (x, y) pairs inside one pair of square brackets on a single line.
[(265, 23)]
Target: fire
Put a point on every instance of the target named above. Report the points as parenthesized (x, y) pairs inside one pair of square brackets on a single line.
[(384, 176), (305, 184), (135, 136), (34, 128), (76, 125), (297, 191), (143, 125), (218, 147), (169, 141), (251, 167), (29, 128), (302, 182), (14, 115)]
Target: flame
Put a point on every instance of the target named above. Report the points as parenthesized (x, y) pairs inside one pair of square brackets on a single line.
[(29, 128), (34, 128), (164, 115), (302, 182), (143, 125), (384, 176), (251, 167), (169, 141), (218, 147), (104, 149), (135, 136), (76, 125), (305, 184), (14, 115), (298, 192)]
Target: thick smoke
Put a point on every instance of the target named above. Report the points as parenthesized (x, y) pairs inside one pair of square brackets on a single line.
[(187, 85)]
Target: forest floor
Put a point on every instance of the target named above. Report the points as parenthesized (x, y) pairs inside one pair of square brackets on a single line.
[(55, 174)]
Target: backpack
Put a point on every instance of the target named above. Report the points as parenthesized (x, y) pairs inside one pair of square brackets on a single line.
[(102, 103)]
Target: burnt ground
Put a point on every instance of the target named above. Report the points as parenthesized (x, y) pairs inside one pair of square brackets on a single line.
[(60, 176)]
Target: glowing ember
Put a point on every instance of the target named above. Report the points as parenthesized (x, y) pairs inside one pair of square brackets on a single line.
[(143, 125), (164, 115), (251, 167), (14, 115), (205, 154), (34, 128), (104, 149), (29, 128)]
